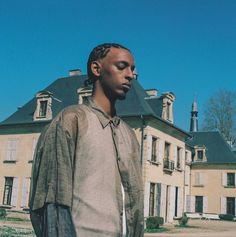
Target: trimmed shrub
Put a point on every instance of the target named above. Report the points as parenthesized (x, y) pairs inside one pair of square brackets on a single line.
[(153, 222), (227, 217), (184, 220), (3, 213)]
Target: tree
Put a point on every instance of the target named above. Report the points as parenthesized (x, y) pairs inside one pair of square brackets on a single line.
[(220, 114)]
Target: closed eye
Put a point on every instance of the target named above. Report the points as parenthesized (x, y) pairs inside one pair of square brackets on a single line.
[(122, 65)]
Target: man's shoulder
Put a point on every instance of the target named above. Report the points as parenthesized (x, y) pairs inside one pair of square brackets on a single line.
[(74, 112), (127, 127)]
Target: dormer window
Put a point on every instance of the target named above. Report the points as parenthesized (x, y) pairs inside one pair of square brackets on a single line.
[(43, 107), (200, 154), (84, 92), (168, 99)]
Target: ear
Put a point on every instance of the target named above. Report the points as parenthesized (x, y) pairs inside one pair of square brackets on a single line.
[(95, 68)]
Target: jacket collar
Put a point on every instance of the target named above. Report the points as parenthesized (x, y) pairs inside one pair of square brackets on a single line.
[(103, 117)]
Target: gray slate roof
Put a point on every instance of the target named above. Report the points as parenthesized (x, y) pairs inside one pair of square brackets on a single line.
[(217, 149), (64, 92)]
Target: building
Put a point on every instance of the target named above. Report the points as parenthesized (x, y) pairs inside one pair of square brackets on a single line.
[(165, 156), (213, 172)]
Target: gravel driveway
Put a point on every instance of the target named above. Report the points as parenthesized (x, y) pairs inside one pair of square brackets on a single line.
[(200, 228)]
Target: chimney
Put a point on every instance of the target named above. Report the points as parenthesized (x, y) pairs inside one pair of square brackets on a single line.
[(151, 92), (75, 72)]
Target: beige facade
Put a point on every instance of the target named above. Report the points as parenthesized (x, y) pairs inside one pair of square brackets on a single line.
[(213, 189), (16, 155), (173, 183), (166, 168)]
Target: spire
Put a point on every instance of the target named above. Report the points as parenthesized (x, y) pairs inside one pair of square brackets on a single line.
[(194, 118)]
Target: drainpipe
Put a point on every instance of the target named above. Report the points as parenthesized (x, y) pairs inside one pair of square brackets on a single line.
[(142, 137)]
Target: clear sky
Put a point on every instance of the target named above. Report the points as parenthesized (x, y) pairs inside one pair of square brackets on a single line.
[(184, 46)]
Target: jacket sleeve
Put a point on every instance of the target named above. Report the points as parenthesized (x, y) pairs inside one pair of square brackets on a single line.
[(53, 221), (52, 181)]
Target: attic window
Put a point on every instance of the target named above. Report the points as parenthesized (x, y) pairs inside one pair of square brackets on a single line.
[(84, 92), (168, 99), (200, 154), (43, 109)]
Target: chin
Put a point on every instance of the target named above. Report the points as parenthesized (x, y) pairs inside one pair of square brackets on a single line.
[(121, 96)]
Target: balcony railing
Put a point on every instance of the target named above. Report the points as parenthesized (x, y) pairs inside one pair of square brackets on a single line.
[(169, 165)]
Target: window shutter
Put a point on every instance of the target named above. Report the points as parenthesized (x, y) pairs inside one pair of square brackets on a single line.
[(146, 199), (223, 205), (235, 184), (158, 199), (205, 204), (182, 159), (193, 203), (201, 178), (187, 176), (188, 203), (197, 178), (25, 192), (163, 200), (235, 204), (180, 202), (149, 147), (11, 149), (35, 140), (175, 156), (14, 192), (171, 203), (224, 179), (160, 151)]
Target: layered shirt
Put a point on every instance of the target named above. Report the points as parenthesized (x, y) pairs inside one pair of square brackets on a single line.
[(83, 160)]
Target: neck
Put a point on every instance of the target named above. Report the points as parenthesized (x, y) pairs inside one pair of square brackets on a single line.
[(106, 103)]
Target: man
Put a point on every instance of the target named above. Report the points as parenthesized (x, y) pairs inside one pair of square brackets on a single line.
[(86, 177)]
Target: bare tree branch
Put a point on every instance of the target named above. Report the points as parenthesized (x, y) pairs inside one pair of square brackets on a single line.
[(220, 114)]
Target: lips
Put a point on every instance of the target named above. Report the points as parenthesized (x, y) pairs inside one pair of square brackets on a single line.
[(126, 86)]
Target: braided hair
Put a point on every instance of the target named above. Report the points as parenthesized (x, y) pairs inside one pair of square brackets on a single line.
[(99, 52)]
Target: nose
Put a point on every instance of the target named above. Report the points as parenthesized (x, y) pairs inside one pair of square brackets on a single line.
[(130, 75)]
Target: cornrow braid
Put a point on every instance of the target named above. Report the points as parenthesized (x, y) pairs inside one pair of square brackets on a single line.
[(99, 52)]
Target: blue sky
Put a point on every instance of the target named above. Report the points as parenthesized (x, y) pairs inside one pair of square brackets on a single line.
[(184, 46)]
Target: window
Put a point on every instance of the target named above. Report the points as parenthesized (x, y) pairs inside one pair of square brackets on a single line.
[(230, 179), (176, 200), (154, 149), (11, 149), (8, 191), (84, 92), (152, 199), (200, 154), (178, 162), (199, 204), (198, 179), (167, 151), (43, 108), (230, 205)]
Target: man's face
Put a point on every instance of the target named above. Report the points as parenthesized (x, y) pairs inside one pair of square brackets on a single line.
[(116, 73)]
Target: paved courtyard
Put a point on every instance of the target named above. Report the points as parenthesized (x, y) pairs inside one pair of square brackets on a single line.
[(200, 228)]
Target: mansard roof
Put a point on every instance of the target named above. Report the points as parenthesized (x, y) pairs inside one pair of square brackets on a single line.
[(217, 149), (64, 93)]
